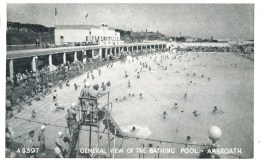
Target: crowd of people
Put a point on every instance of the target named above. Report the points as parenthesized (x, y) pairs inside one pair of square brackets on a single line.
[(29, 86), (34, 86), (233, 48)]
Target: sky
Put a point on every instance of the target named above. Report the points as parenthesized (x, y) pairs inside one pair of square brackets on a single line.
[(222, 21)]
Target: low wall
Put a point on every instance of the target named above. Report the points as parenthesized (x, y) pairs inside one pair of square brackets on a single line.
[(185, 44)]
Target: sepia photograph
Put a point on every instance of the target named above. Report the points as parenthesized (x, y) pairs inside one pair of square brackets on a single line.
[(129, 80)]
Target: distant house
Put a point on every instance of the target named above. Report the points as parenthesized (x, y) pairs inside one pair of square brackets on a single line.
[(242, 42), (246, 42), (189, 39), (86, 33), (223, 40)]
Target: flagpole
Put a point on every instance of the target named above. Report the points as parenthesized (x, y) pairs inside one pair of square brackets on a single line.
[(55, 16), (55, 20)]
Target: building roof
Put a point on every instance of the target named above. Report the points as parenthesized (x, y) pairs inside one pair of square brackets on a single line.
[(88, 27), (46, 51)]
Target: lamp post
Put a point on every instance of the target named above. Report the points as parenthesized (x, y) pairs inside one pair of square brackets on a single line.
[(208, 151), (214, 133)]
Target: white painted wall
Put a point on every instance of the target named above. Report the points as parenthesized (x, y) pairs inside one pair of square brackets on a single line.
[(103, 33), (70, 35), (118, 35), (79, 35)]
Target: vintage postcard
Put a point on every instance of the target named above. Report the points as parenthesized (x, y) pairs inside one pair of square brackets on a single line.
[(129, 80)]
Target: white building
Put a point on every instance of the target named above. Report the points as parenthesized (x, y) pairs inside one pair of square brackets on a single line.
[(86, 33)]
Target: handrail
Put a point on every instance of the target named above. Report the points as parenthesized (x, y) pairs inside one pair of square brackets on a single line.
[(39, 52), (92, 98), (125, 137), (108, 106), (88, 98)]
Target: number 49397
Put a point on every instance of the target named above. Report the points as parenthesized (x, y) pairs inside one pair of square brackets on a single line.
[(27, 150)]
